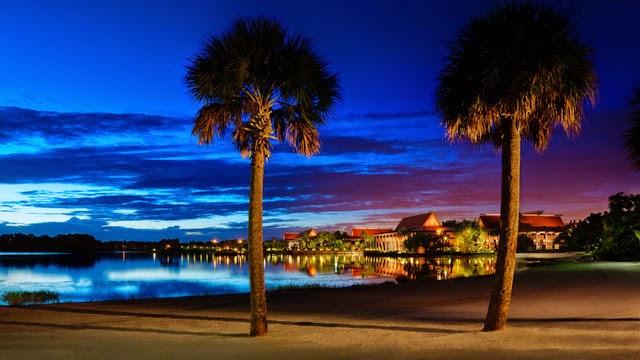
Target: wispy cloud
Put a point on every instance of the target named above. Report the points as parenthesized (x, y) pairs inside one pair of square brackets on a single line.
[(143, 177)]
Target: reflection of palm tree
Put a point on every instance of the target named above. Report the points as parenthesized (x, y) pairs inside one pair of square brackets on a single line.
[(633, 134), (518, 72), (265, 85)]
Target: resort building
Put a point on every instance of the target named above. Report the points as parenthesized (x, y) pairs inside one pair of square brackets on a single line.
[(359, 233), (542, 229), (409, 226), (293, 239)]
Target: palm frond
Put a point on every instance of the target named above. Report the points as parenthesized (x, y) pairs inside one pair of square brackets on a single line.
[(521, 62), (242, 140), (263, 83), (303, 137), (214, 119), (298, 128)]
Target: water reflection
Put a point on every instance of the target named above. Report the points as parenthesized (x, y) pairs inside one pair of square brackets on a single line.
[(140, 275), (421, 268)]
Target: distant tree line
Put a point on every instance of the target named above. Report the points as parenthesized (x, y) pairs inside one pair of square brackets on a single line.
[(45, 243), (610, 235), (78, 243), (85, 243)]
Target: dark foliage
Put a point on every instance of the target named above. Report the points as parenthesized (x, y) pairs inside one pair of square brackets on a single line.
[(612, 235), (78, 243), (45, 243), (457, 225), (427, 241), (525, 243)]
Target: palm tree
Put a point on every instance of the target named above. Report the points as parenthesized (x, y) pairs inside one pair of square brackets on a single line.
[(262, 85), (633, 134), (517, 73)]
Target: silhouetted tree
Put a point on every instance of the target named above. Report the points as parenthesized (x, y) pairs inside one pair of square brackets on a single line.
[(71, 243), (517, 73), (265, 85)]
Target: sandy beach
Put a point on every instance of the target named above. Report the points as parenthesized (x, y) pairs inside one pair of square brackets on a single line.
[(563, 311)]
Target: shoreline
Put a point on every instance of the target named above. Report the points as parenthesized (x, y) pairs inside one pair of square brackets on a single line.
[(570, 310), (370, 253)]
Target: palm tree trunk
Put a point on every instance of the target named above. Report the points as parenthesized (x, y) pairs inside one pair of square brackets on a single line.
[(509, 216), (256, 257)]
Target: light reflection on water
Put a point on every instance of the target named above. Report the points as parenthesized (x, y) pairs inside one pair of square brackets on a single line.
[(134, 275)]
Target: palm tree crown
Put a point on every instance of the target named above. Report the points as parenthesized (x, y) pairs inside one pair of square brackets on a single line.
[(262, 84), (521, 62), (633, 134)]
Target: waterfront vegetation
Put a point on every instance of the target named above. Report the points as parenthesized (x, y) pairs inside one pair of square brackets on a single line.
[(61, 242), (471, 239), (610, 235), (15, 298), (333, 241)]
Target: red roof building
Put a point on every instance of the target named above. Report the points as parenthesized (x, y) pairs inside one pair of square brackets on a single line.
[(542, 229), (528, 222), (289, 236), (360, 232), (424, 222), (292, 238)]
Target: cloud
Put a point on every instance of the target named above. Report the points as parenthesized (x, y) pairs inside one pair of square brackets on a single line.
[(25, 122), (143, 177)]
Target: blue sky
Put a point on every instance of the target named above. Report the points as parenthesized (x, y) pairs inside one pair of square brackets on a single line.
[(95, 122)]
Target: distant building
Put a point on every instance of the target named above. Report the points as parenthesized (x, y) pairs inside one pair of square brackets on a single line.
[(293, 239), (358, 233), (542, 229), (409, 226)]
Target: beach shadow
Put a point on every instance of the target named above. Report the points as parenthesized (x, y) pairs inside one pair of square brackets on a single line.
[(245, 320), (119, 329), (532, 320), (576, 319)]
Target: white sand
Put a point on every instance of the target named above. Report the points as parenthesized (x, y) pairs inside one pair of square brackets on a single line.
[(586, 311)]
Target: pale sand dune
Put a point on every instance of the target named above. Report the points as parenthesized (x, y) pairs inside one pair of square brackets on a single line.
[(575, 311)]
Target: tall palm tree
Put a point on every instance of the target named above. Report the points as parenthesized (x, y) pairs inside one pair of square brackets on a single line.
[(516, 73), (633, 134), (262, 85)]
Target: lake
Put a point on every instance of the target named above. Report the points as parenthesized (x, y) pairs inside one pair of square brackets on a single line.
[(126, 275)]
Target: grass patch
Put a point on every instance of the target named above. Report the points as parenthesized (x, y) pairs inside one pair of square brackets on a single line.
[(14, 298)]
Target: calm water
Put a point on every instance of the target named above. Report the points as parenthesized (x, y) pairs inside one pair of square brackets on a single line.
[(134, 275)]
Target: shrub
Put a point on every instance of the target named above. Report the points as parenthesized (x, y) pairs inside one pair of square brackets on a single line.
[(525, 243), (427, 241), (471, 238), (611, 235), (625, 246), (14, 298)]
